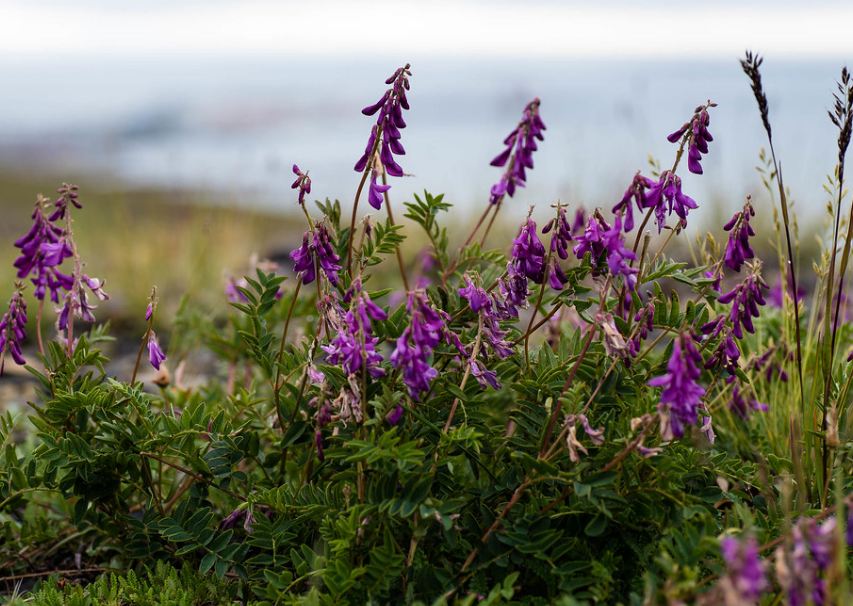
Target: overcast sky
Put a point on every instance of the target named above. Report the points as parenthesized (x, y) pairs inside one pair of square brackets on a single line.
[(525, 28)]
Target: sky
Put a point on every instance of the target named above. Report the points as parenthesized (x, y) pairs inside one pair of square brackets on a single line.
[(529, 28)]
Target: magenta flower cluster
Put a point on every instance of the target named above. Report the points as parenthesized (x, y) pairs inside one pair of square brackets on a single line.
[(681, 398), (316, 250), (13, 329), (517, 155)]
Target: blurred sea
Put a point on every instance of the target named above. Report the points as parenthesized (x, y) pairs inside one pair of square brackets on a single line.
[(234, 126)]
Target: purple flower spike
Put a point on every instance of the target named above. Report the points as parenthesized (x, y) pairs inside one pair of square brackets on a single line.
[(477, 297), (43, 249), (317, 245), (738, 249), (666, 197), (563, 233), (744, 581), (636, 193), (745, 298), (388, 125), (517, 155), (155, 354), (13, 326), (599, 239), (395, 416), (681, 398), (528, 252), (68, 196), (698, 137), (302, 183), (354, 346)]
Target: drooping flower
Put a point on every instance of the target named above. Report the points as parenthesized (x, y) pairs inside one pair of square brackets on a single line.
[(13, 327), (738, 249), (698, 137), (354, 345), (802, 571), (745, 298), (666, 197), (68, 196), (527, 262), (560, 240), (413, 351), (77, 303), (389, 122), (517, 155), (681, 398), (743, 406), (635, 194), (575, 446), (744, 581), (599, 239), (155, 353), (302, 183), (316, 245), (43, 249), (491, 333)]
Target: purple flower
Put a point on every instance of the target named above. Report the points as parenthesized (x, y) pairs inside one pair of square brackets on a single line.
[(812, 554), (43, 249), (738, 249), (414, 347), (155, 354), (681, 398), (528, 252), (575, 446), (742, 406), (599, 239), (395, 416), (354, 346), (771, 366), (13, 327), (645, 318), (492, 335), (376, 190), (68, 195), (517, 155), (476, 296), (389, 122), (744, 580), (77, 303), (636, 193), (302, 183), (666, 196), (745, 298), (698, 137), (319, 247)]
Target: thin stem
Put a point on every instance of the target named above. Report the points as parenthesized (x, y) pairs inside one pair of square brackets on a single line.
[(139, 354), (474, 353), (491, 222), (277, 381), (358, 191), (39, 314), (391, 220)]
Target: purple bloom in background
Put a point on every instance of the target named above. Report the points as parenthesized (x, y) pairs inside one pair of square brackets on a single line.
[(389, 122), (681, 398), (43, 249), (302, 183), (744, 581), (354, 346), (518, 153), (776, 296), (666, 197), (155, 353), (738, 249), (13, 327), (745, 298), (316, 245), (636, 193), (742, 406), (592, 239), (698, 137), (813, 551), (414, 347)]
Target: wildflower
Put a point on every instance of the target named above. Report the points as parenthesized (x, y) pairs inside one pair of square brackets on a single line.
[(316, 246), (575, 446), (812, 553), (681, 398), (738, 249), (528, 252), (155, 354), (666, 197), (562, 233), (354, 346), (744, 581), (395, 416), (491, 332), (414, 347), (698, 137), (43, 249), (771, 366), (77, 303), (745, 298), (13, 327), (635, 194), (517, 156), (599, 239), (68, 195), (645, 318), (389, 122), (742, 406), (302, 183)]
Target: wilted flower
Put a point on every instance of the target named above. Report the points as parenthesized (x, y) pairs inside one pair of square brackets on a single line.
[(13, 327), (316, 245), (681, 398), (302, 183), (698, 137), (575, 446), (354, 346), (518, 153), (492, 335), (738, 249), (389, 122), (744, 581)]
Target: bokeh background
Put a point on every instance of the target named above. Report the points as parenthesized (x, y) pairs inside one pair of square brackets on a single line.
[(180, 120)]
